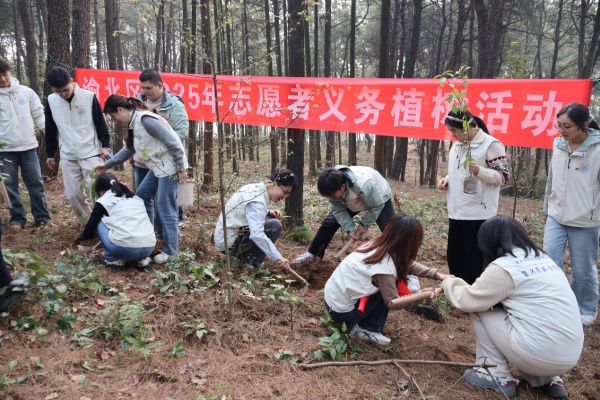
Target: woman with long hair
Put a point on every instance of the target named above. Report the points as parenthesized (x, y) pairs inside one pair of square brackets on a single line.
[(572, 203), (374, 270), (153, 139), (522, 310), (122, 223), (477, 168)]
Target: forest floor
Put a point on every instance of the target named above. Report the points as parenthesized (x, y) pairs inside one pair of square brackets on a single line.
[(84, 331)]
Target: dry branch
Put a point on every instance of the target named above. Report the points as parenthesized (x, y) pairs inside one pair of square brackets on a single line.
[(393, 361)]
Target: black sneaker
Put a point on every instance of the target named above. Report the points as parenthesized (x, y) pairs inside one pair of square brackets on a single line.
[(145, 264), (13, 291), (42, 224), (555, 389)]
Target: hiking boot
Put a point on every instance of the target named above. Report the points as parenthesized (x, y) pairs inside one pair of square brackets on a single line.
[(508, 386), (359, 333), (161, 258), (116, 263), (413, 283), (144, 264), (555, 389), (16, 227), (304, 257), (11, 293), (427, 310)]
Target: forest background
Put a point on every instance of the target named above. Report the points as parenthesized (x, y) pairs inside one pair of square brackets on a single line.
[(75, 334)]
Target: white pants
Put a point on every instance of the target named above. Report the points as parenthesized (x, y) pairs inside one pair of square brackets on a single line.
[(494, 346), (78, 183)]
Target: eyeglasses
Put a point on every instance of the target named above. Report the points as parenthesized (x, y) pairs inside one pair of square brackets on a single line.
[(147, 89), (286, 192), (563, 128)]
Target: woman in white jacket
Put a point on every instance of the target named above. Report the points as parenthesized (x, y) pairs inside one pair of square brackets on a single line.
[(523, 312), (572, 202), (477, 168)]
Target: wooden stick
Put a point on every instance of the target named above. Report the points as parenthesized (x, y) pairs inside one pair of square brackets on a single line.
[(298, 277), (342, 252), (385, 362)]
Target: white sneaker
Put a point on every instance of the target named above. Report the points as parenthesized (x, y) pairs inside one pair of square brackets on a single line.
[(161, 258), (117, 263), (304, 257), (413, 283), (359, 333), (145, 263), (588, 319)]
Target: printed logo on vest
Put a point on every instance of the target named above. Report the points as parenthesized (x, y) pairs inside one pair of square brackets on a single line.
[(80, 111), (583, 167), (21, 101)]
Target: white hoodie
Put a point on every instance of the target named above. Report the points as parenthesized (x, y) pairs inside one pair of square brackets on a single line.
[(19, 108)]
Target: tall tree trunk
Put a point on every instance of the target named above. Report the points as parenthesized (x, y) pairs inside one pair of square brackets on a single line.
[(381, 142), (352, 74), (273, 139), (329, 136), (17, 40), (97, 37), (295, 161), (207, 52), (112, 15), (193, 132), (490, 31), (30, 45), (80, 34), (184, 44), (588, 60), (160, 16)]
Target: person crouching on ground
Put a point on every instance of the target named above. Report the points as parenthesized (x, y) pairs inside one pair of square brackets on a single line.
[(373, 270), (535, 327), (122, 223), (252, 228)]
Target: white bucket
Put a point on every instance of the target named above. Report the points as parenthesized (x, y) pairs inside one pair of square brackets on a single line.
[(185, 194)]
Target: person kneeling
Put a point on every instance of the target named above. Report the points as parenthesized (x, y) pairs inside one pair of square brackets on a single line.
[(122, 224), (536, 327), (373, 270)]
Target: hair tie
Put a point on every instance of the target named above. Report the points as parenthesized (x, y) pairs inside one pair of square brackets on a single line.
[(453, 118), (112, 182)]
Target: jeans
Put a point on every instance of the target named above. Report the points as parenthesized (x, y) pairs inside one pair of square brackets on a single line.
[(373, 319), (465, 259), (32, 177), (583, 249), (139, 174), (246, 250), (329, 227), (165, 191), (114, 252)]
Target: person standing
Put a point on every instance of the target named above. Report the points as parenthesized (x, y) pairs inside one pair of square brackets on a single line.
[(20, 108), (473, 191), (169, 106), (572, 203), (75, 124), (153, 139)]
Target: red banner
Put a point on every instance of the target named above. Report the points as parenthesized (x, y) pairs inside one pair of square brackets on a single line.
[(519, 112)]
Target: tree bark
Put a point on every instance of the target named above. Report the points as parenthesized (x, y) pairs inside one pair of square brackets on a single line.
[(295, 160), (352, 62), (30, 45), (207, 69), (490, 31), (80, 34)]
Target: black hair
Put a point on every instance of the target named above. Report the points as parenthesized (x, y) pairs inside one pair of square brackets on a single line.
[(580, 115), (4, 66), (330, 181), (108, 181), (150, 75), (455, 120), (500, 234), (58, 77), (284, 177), (115, 101)]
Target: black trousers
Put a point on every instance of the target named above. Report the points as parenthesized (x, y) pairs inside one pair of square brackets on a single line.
[(465, 260), (5, 277), (329, 227)]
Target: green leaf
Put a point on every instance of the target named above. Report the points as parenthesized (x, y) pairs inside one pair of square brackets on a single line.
[(21, 379), (42, 331), (61, 288), (443, 81), (13, 364)]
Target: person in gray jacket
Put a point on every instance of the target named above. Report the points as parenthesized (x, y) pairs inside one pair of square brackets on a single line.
[(350, 190), (20, 108)]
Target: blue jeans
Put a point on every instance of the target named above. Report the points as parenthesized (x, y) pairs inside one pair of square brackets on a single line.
[(373, 319), (139, 174), (583, 249), (114, 252), (165, 192), (32, 177)]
